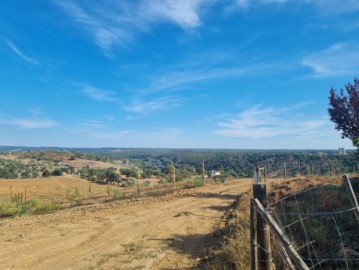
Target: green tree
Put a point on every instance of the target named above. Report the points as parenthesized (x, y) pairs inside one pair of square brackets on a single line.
[(129, 172), (344, 111), (46, 173), (57, 172), (111, 175)]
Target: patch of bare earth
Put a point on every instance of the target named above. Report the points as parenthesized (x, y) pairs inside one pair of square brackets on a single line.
[(169, 232)]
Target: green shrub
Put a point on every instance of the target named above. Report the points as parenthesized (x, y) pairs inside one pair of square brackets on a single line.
[(131, 182), (146, 183), (197, 182), (117, 195)]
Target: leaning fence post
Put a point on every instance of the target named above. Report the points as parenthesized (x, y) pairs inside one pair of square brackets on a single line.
[(293, 254), (264, 255), (352, 197)]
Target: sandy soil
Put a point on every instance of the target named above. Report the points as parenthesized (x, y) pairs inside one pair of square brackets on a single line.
[(169, 232)]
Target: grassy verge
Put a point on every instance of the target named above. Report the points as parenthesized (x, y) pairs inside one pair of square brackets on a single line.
[(33, 206), (234, 251)]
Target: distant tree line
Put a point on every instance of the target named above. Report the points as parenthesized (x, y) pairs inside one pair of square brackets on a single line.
[(12, 169), (158, 163), (239, 164)]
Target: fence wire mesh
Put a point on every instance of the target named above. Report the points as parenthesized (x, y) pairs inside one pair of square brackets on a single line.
[(321, 224)]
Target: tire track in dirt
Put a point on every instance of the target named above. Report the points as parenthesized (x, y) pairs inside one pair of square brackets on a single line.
[(107, 225)]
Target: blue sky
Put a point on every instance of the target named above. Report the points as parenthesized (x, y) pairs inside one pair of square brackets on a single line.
[(175, 73)]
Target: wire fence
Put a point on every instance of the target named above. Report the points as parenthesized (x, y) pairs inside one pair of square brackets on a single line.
[(291, 169), (91, 191), (321, 223)]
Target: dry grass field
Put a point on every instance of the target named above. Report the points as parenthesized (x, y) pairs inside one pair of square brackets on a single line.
[(53, 188)]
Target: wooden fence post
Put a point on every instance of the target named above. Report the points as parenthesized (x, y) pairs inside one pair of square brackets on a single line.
[(265, 173), (285, 170), (330, 169), (351, 194), (264, 254), (293, 254), (253, 236), (311, 168), (174, 177), (298, 169), (203, 172), (138, 187)]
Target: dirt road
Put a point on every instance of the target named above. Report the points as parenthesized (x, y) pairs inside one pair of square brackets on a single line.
[(152, 233)]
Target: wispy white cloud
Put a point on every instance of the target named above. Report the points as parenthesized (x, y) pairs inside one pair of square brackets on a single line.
[(176, 80), (245, 4), (115, 23), (35, 111), (330, 7), (165, 137), (144, 107), (324, 7), (258, 122), (184, 13), (207, 66), (92, 124), (151, 137), (28, 123), (337, 60), (99, 94), (112, 136), (21, 54)]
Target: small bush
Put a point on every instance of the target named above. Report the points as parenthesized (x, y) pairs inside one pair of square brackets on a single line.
[(117, 195), (131, 182), (146, 183), (163, 181), (197, 182)]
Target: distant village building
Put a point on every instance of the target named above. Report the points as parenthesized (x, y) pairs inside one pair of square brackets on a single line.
[(215, 173), (342, 151)]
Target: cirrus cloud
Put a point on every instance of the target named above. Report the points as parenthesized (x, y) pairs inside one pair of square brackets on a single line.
[(257, 122)]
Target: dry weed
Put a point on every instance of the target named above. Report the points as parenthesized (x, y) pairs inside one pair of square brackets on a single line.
[(235, 250)]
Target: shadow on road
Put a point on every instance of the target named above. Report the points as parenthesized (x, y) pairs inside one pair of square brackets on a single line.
[(216, 195), (201, 247)]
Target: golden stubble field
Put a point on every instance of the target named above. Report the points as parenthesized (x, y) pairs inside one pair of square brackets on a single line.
[(52, 188)]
